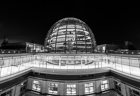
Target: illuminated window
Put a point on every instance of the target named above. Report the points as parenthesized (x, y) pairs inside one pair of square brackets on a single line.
[(104, 85), (71, 89), (36, 86), (53, 88), (89, 88)]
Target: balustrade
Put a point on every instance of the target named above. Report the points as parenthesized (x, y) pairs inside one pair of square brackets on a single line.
[(127, 64)]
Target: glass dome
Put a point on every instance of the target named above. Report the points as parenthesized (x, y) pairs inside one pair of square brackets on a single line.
[(70, 35)]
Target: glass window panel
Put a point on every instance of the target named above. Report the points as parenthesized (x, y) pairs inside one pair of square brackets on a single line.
[(59, 45), (62, 33), (86, 32), (71, 89), (78, 26), (80, 31), (71, 29), (88, 88), (64, 26), (104, 85), (81, 46), (60, 39), (88, 42), (87, 37), (55, 29), (36, 86), (79, 35), (53, 45), (71, 33), (71, 36), (54, 34), (61, 36), (53, 88), (53, 39), (80, 42), (70, 26), (62, 30), (88, 47)]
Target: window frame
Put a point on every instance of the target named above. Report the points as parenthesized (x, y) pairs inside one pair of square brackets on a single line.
[(53, 85), (89, 87), (70, 90), (37, 86), (104, 85)]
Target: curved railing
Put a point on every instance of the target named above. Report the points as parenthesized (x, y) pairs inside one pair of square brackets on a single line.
[(123, 63)]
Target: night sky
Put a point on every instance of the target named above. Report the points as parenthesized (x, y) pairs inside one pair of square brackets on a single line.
[(110, 21)]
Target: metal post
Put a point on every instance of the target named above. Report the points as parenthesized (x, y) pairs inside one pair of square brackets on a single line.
[(81, 62), (1, 66), (101, 60), (121, 64), (115, 61), (47, 61), (19, 64), (129, 65), (59, 61)]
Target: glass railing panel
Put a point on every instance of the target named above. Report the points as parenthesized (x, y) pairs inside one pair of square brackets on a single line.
[(13, 65), (135, 71)]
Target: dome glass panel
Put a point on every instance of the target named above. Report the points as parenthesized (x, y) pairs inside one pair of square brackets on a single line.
[(70, 35)]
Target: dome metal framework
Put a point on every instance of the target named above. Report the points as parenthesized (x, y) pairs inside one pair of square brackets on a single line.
[(70, 35)]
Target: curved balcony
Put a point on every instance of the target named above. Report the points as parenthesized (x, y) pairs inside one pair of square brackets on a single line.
[(126, 64)]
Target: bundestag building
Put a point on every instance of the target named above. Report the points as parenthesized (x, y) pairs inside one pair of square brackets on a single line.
[(70, 67)]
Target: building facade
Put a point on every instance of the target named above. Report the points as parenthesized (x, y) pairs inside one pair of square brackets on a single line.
[(70, 67)]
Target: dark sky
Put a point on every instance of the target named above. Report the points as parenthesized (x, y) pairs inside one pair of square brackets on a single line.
[(111, 21)]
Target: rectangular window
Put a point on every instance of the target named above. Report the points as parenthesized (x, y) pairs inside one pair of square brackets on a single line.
[(118, 86), (89, 88), (53, 88), (36, 86), (104, 85), (71, 89), (134, 92), (8, 93), (23, 86)]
